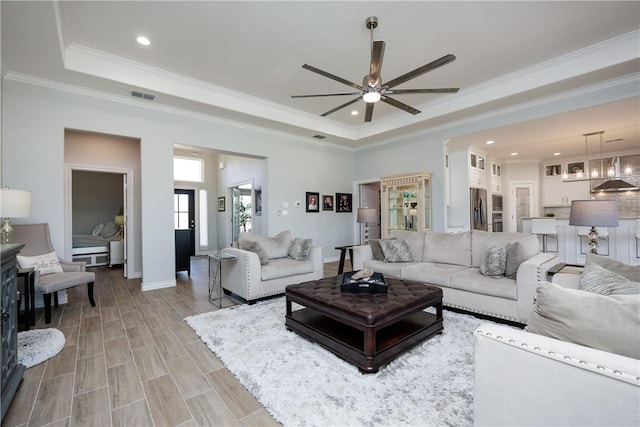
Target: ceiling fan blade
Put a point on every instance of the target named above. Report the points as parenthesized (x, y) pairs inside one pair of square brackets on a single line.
[(346, 104), (377, 53), (409, 91), (399, 105), (332, 77), (368, 114), (420, 71), (325, 94)]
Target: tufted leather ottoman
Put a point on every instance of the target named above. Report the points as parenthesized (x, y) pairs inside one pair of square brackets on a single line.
[(368, 330)]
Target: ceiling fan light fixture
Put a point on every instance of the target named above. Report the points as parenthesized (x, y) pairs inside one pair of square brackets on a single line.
[(371, 96)]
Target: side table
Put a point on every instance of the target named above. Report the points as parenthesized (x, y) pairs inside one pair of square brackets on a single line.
[(215, 268), (27, 275), (343, 253), (564, 269)]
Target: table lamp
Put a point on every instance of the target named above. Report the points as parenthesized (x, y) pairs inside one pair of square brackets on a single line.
[(367, 216), (594, 213), (13, 204)]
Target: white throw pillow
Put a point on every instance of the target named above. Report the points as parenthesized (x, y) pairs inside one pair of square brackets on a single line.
[(45, 264), (96, 231)]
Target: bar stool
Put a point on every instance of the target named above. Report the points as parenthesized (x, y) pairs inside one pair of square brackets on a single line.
[(603, 234), (545, 227)]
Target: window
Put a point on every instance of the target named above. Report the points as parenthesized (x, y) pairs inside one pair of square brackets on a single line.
[(204, 219), (188, 169), (181, 211)]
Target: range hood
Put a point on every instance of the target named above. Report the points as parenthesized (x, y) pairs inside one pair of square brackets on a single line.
[(614, 185)]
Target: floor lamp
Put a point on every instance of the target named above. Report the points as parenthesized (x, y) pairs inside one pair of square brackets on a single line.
[(367, 216), (13, 204), (594, 213)]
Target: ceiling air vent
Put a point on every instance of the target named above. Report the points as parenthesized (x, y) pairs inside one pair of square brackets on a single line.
[(319, 136), (143, 95)]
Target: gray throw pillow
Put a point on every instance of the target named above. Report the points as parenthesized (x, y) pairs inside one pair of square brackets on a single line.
[(300, 249), (258, 249), (631, 272), (396, 251), (376, 250), (605, 282), (109, 230), (493, 261), (516, 255), (608, 323)]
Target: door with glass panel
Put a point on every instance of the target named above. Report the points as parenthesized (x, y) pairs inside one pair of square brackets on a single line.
[(184, 217)]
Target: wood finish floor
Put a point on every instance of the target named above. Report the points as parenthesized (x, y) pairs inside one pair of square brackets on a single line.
[(133, 361)]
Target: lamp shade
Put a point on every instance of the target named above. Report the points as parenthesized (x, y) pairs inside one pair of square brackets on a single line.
[(367, 216), (119, 220), (594, 213), (15, 203)]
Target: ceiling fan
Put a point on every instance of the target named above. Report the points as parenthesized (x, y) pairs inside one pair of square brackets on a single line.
[(373, 89)]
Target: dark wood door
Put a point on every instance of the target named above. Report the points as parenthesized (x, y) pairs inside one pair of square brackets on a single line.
[(184, 216)]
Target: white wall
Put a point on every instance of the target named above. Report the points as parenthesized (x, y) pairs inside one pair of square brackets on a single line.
[(33, 155)]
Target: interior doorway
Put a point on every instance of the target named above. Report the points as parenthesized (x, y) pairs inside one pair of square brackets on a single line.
[(241, 209), (370, 198), (522, 203)]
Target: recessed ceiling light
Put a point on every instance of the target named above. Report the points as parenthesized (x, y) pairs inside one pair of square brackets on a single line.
[(489, 142), (143, 41), (354, 113), (556, 154), (514, 154)]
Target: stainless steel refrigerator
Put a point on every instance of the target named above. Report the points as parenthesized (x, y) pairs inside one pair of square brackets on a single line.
[(478, 209)]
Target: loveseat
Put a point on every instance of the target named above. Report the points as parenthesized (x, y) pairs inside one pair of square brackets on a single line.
[(576, 364), (452, 261), (264, 265)]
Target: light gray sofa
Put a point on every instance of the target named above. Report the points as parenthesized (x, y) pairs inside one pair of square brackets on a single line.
[(553, 382), (451, 261), (249, 278)]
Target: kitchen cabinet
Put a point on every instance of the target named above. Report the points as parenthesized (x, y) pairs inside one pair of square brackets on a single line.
[(406, 202), (556, 192), (477, 169), (496, 178)]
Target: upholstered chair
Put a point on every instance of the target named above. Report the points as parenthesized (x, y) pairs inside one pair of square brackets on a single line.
[(37, 242)]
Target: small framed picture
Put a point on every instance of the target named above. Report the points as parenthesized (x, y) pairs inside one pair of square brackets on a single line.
[(258, 201), (343, 202), (221, 204), (327, 202), (312, 202)]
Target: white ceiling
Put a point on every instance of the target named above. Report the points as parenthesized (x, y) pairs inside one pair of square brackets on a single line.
[(241, 60)]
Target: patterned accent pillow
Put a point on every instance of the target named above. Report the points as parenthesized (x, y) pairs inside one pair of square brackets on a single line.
[(109, 230), (96, 231), (516, 255), (45, 264), (493, 262), (258, 249), (631, 272), (300, 249), (601, 281), (376, 250), (396, 251)]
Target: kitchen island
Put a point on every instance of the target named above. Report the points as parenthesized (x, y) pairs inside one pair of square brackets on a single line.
[(620, 243)]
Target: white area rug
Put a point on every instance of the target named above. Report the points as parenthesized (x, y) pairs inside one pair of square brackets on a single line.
[(37, 345), (301, 383)]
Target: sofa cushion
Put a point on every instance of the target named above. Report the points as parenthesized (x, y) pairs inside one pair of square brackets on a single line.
[(608, 323), (257, 248), (396, 251), (471, 280), (285, 267), (415, 240), (300, 249), (481, 240), (391, 269), (601, 281), (275, 247), (448, 248), (431, 273), (45, 264), (493, 262), (631, 272), (516, 255)]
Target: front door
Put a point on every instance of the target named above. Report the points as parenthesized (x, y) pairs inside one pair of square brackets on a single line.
[(184, 217)]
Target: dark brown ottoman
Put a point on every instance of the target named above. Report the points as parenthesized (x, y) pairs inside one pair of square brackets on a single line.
[(368, 330)]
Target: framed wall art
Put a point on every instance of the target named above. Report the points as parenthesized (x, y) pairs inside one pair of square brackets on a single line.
[(258, 200), (312, 202), (327, 202), (221, 204), (343, 202)]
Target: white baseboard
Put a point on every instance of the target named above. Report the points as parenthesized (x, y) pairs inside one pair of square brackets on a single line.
[(158, 285)]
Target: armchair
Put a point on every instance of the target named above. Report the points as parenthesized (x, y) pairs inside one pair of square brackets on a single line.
[(37, 241)]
